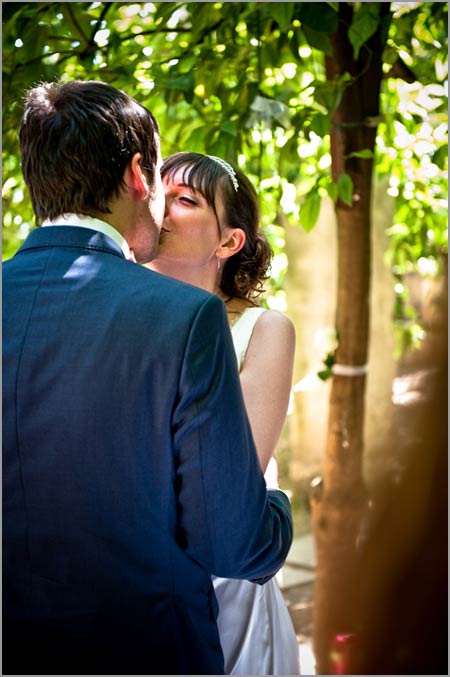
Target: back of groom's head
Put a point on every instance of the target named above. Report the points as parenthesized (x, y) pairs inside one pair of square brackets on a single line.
[(76, 139)]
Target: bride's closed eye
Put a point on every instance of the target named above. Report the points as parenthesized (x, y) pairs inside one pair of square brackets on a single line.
[(188, 200)]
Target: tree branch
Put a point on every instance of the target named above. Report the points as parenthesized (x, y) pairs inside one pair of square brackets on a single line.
[(41, 57), (155, 31), (402, 71), (75, 23), (98, 23)]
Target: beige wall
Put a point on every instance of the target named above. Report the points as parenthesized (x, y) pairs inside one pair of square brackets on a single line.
[(310, 286)]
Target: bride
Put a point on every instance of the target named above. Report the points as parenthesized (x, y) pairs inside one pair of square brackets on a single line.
[(211, 238)]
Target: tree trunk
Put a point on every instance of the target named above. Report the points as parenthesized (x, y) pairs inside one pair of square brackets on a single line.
[(340, 505)]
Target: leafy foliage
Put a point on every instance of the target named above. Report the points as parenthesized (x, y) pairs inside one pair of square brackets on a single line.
[(246, 81)]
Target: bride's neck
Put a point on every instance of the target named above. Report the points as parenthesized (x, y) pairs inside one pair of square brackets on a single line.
[(199, 277)]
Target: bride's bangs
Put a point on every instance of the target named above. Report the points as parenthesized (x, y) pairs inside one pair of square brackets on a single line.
[(200, 173)]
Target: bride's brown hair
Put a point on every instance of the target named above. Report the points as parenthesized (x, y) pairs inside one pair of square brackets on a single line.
[(243, 273)]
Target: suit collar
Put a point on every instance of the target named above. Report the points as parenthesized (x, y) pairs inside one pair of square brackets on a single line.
[(71, 236), (85, 221)]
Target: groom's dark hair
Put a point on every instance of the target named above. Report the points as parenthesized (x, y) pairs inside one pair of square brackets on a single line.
[(76, 140)]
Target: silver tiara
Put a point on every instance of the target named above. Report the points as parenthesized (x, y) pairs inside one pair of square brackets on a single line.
[(228, 168)]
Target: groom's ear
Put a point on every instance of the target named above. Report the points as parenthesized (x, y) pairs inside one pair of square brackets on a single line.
[(135, 179), (232, 241)]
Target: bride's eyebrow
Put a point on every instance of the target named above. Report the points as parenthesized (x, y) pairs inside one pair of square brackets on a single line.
[(182, 184)]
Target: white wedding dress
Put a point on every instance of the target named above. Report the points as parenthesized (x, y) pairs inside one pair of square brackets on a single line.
[(255, 627)]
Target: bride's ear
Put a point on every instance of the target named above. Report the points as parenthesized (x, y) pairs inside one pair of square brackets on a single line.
[(135, 179), (233, 240)]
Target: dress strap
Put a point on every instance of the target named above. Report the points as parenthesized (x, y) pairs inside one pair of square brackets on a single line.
[(242, 330)]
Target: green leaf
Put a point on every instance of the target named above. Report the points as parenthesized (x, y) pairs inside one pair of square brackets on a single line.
[(292, 174), (333, 191), (366, 154), (309, 211), (441, 155), (317, 39), (364, 25), (390, 55), (229, 127), (11, 8), (320, 125), (345, 188), (164, 11), (282, 13), (184, 81), (289, 152), (325, 94), (329, 360), (319, 16), (293, 44)]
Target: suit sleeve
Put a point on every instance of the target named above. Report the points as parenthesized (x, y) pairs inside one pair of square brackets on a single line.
[(229, 523)]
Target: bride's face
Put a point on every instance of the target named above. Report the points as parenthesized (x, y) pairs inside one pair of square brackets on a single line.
[(190, 231)]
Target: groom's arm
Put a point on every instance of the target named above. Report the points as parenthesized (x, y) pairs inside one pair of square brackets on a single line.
[(230, 523)]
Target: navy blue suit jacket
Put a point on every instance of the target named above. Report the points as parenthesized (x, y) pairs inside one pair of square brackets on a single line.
[(130, 473)]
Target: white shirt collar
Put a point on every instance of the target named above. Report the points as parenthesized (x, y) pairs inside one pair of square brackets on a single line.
[(85, 221)]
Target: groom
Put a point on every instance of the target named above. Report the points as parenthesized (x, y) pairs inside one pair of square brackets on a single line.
[(130, 473)]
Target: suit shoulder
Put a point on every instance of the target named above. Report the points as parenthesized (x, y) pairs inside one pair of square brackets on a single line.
[(169, 286), (170, 296)]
